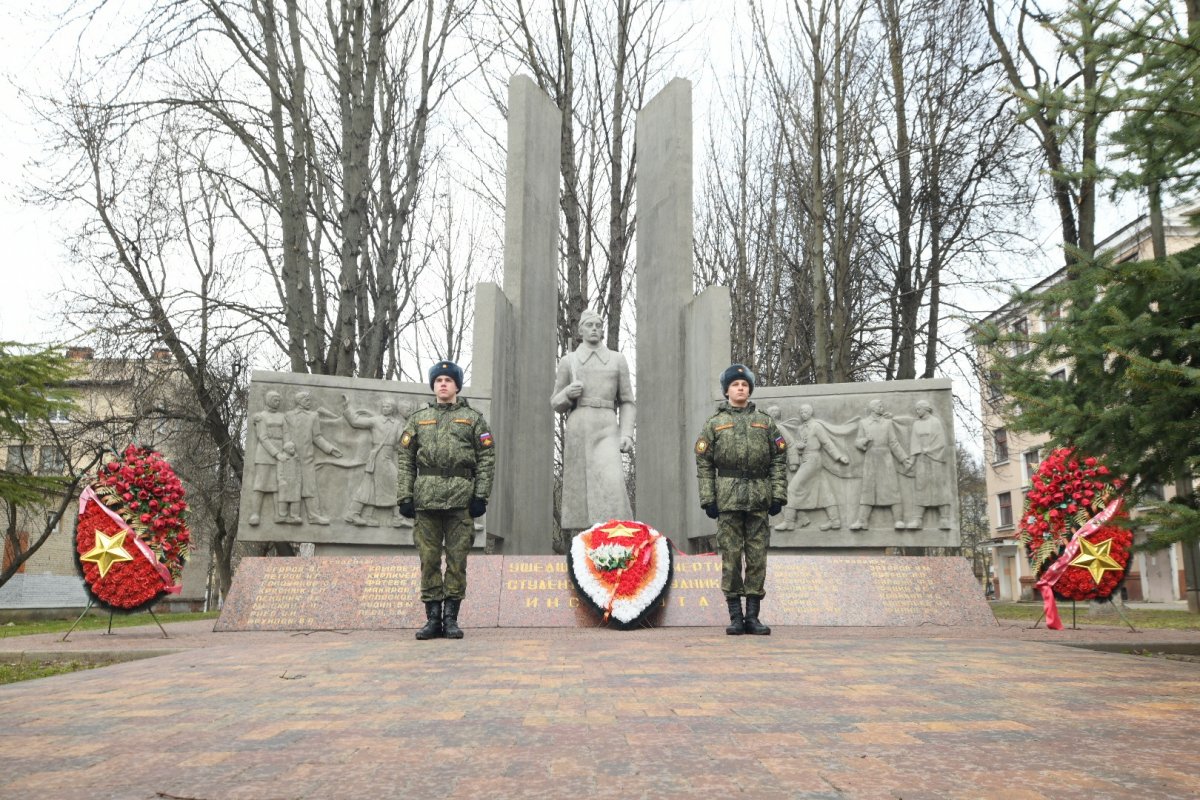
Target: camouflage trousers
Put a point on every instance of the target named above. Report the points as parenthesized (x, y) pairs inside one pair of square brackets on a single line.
[(743, 535), (437, 532)]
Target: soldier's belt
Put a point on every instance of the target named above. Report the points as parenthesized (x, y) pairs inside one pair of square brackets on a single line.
[(740, 473), (590, 402), (457, 472)]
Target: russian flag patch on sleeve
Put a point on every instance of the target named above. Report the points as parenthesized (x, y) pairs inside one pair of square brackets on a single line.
[(485, 439)]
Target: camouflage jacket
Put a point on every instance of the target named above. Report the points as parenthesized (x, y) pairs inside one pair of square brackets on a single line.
[(741, 460), (446, 457)]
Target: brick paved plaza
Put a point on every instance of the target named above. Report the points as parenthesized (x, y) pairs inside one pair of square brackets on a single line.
[(555, 713)]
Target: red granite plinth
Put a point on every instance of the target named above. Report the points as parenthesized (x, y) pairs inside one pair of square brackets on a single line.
[(382, 592), (347, 593), (873, 591)]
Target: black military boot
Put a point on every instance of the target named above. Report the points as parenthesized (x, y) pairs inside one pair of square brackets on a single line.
[(736, 621), (433, 621), (450, 618), (753, 626)]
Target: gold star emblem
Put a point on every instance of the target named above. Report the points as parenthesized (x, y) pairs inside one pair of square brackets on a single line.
[(1095, 558), (107, 551), (620, 531)]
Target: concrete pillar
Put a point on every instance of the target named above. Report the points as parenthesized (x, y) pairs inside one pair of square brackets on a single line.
[(708, 351), (664, 289), (492, 374), (521, 322)]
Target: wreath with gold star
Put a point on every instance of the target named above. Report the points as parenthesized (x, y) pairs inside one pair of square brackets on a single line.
[(1066, 528), (131, 539), (621, 569)]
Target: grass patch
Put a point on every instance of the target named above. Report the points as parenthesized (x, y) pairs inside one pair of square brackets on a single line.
[(1149, 618), (14, 671), (96, 621)]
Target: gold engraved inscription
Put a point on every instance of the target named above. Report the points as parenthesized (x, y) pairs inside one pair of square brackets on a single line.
[(283, 597), (906, 589), (807, 591), (390, 591)]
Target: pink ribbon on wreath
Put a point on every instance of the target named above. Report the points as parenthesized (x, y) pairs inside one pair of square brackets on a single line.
[(90, 494), (1045, 584)]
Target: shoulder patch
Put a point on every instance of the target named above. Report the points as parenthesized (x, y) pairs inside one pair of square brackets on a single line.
[(702, 445), (485, 438), (781, 443), (724, 427), (406, 439)]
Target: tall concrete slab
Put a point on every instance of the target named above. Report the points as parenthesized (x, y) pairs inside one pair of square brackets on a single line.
[(708, 351), (492, 366), (523, 339), (664, 289)]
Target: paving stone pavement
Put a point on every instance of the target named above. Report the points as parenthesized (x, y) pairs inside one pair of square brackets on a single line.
[(524, 713)]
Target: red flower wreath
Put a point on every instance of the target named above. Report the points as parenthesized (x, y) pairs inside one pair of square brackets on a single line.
[(1066, 492), (142, 520)]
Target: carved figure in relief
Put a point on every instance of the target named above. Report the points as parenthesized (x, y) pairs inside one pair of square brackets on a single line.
[(269, 425), (876, 438), (592, 387), (792, 517), (928, 453), (376, 487), (303, 426), (287, 472), (815, 452)]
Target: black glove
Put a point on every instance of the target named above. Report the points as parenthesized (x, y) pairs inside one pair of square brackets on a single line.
[(477, 507), (407, 508), (775, 508), (711, 510)]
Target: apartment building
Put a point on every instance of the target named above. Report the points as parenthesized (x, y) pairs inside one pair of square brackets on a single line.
[(1010, 459)]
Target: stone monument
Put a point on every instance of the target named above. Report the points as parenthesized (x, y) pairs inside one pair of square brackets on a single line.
[(593, 389)]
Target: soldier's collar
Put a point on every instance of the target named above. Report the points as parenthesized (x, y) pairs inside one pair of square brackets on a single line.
[(586, 353)]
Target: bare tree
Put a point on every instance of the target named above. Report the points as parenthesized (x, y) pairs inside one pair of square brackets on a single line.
[(1062, 103), (951, 163)]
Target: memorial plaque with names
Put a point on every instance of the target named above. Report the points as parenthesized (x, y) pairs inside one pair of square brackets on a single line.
[(869, 591), (345, 593)]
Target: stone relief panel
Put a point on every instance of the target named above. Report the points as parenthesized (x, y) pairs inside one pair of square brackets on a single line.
[(869, 464), (321, 458)]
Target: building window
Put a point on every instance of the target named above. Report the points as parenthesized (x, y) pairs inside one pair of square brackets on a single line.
[(999, 446), (1031, 458), (1004, 500), (20, 458), (59, 416), (1020, 332), (54, 462), (1059, 375), (993, 385)]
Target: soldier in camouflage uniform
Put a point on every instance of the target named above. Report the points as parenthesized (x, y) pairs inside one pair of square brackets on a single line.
[(741, 461), (445, 464)]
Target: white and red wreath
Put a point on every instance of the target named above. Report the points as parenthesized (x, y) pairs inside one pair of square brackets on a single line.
[(621, 569)]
